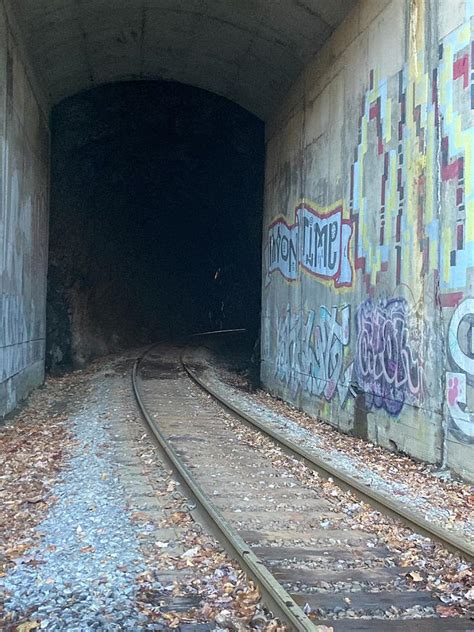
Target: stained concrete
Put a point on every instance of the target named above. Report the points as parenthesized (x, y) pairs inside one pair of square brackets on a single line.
[(368, 263), (24, 178), (248, 51)]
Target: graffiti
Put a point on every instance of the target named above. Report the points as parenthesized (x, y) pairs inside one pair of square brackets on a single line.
[(318, 242), (456, 108), (310, 356), (388, 363), (461, 351)]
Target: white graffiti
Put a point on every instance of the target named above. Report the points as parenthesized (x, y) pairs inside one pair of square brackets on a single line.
[(318, 242), (461, 350), (310, 356)]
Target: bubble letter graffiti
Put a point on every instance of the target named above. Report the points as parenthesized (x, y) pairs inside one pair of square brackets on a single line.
[(388, 361), (318, 242), (461, 351)]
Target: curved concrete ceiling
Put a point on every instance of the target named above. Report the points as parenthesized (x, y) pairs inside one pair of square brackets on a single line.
[(249, 51)]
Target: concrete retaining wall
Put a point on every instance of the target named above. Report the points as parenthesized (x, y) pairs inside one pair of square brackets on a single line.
[(368, 288), (24, 167)]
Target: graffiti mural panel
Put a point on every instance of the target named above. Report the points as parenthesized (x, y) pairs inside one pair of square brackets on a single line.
[(310, 352), (317, 243), (377, 282)]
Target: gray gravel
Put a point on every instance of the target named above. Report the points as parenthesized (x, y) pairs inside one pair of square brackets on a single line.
[(83, 574)]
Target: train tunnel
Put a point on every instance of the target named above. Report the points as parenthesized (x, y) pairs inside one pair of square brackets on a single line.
[(155, 222), (300, 168), (154, 118)]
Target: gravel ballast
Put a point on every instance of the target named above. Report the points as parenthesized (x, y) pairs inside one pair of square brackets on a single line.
[(96, 533), (82, 575)]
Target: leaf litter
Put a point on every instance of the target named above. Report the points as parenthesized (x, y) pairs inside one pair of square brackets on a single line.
[(37, 450), (443, 499)]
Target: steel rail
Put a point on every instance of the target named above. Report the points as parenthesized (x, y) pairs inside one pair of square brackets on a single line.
[(377, 500), (274, 595)]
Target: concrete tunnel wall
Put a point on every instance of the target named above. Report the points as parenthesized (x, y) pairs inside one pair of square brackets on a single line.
[(368, 296), (368, 288), (24, 168)]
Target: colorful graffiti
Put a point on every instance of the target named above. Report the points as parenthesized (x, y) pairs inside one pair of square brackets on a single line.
[(310, 354), (455, 78), (388, 360), (404, 164), (318, 242), (413, 128), (461, 353), (422, 124)]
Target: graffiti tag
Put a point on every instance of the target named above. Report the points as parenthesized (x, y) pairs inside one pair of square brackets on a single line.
[(388, 362), (461, 350), (318, 242), (310, 355)]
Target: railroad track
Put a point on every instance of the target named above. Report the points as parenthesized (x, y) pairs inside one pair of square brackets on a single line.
[(305, 554)]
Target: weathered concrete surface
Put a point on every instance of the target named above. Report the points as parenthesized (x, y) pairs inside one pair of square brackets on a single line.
[(368, 307), (24, 165), (248, 51)]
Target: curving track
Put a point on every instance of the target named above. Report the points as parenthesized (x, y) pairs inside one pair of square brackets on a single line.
[(303, 543)]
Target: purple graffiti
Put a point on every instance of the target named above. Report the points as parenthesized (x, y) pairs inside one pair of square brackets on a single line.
[(387, 363)]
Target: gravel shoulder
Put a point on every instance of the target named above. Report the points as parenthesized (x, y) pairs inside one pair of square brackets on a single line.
[(96, 534)]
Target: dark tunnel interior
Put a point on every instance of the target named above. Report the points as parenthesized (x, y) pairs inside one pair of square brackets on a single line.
[(155, 225)]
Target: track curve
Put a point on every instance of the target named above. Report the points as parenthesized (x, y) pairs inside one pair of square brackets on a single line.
[(276, 598), (191, 432)]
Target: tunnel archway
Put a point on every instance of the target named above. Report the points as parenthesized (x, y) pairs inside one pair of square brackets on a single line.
[(248, 51), (156, 209)]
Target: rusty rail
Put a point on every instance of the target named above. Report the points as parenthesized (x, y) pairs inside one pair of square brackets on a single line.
[(274, 595), (379, 501)]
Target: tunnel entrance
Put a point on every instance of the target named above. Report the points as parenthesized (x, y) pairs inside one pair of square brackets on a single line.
[(156, 213)]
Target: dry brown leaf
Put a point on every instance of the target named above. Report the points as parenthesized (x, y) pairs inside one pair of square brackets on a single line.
[(27, 626), (415, 576)]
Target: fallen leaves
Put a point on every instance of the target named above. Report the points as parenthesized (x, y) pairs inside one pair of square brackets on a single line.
[(415, 576), (28, 462), (33, 447), (27, 626)]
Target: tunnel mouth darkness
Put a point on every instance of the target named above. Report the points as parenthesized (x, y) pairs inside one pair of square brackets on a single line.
[(156, 213)]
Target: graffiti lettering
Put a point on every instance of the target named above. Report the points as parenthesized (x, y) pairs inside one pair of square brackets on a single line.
[(461, 351), (310, 356), (388, 361), (282, 249), (318, 242)]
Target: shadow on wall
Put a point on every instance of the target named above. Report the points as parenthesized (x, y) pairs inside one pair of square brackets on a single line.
[(155, 223)]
